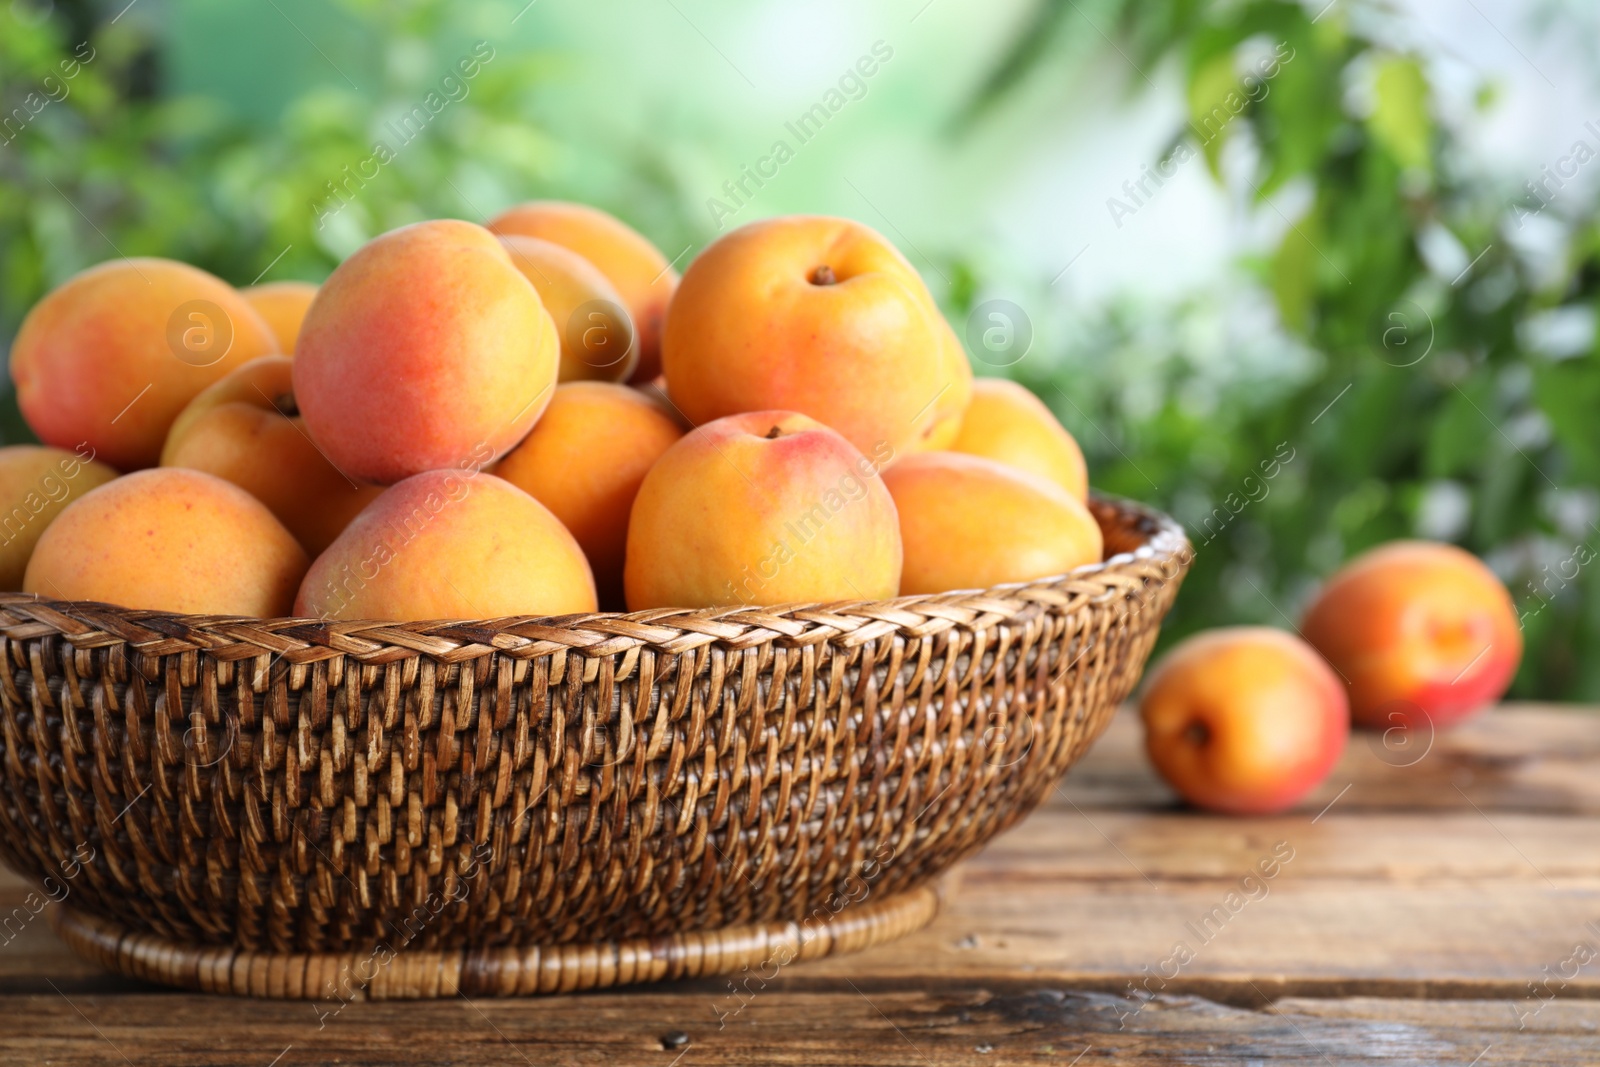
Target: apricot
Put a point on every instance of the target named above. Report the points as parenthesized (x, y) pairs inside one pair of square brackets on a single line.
[(1422, 632), (246, 430), (585, 461), (449, 544), (36, 483), (423, 349), (1244, 719), (1007, 423), (597, 336), (169, 540), (816, 315), (282, 306), (767, 507), (110, 357), (969, 523), (640, 273)]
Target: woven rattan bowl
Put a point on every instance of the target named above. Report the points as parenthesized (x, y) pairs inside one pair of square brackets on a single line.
[(334, 810)]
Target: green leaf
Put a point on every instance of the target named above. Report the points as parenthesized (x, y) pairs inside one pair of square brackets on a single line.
[(1400, 122), (1457, 440), (1294, 274), (1214, 101), (1569, 394)]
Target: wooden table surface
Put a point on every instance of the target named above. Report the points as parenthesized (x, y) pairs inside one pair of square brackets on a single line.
[(1437, 908)]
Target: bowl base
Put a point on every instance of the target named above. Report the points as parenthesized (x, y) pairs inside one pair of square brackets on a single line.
[(423, 974)]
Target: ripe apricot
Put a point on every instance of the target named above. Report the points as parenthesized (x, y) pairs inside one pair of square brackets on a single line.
[(597, 335), (585, 461), (110, 357), (640, 273), (767, 507), (36, 483), (449, 544), (1007, 423), (246, 430), (969, 523), (1244, 719), (1424, 633), (423, 349), (820, 316), (170, 540), (955, 396)]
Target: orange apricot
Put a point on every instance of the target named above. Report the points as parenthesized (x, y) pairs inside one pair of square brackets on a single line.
[(969, 523), (640, 273), (1007, 423), (110, 357), (170, 540), (246, 430), (585, 461)]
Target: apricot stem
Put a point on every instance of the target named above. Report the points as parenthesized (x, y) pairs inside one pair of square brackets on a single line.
[(286, 405), (774, 433), (1197, 733), (823, 275)]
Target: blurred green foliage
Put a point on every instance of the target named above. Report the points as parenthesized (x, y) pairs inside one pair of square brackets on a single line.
[(109, 170), (1453, 384), (1406, 363)]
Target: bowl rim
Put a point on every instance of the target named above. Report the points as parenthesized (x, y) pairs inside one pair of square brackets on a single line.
[(84, 622)]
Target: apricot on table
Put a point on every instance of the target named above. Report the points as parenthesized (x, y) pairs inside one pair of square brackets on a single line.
[(1423, 632), (246, 430), (169, 540), (816, 315), (762, 508), (1006, 422), (424, 349), (449, 544), (967, 522), (1245, 720), (109, 358), (641, 274), (598, 341), (36, 483), (585, 461), (282, 306)]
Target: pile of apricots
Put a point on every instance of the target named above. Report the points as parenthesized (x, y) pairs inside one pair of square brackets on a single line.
[(534, 417), (539, 417)]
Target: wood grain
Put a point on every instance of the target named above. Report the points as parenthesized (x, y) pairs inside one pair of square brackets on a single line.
[(1523, 757), (893, 1029), (1409, 922)]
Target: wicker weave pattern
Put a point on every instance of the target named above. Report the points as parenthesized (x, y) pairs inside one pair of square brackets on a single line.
[(291, 786)]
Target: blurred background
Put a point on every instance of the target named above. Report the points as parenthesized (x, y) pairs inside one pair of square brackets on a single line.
[(1309, 276)]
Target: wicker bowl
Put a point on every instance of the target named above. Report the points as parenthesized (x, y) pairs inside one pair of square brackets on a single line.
[(355, 809)]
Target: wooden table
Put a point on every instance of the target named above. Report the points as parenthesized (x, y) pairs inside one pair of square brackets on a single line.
[(1442, 911)]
